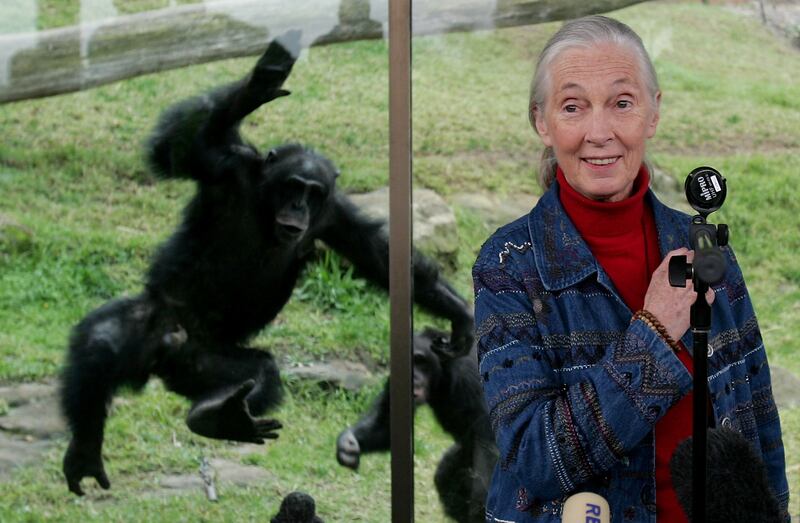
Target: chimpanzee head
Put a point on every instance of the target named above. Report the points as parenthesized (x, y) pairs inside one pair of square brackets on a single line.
[(427, 363), (298, 184)]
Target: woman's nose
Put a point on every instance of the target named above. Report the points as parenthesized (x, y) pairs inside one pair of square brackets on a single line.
[(599, 131)]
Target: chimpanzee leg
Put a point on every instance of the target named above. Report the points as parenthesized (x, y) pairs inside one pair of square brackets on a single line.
[(453, 481), (227, 388), (115, 345)]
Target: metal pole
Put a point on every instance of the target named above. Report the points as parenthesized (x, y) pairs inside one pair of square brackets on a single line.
[(699, 425), (400, 270)]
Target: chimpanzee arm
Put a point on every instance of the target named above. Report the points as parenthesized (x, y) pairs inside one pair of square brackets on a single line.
[(364, 243), (370, 434), (199, 138)]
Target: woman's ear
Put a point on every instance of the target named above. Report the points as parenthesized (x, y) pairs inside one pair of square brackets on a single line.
[(652, 125), (540, 125)]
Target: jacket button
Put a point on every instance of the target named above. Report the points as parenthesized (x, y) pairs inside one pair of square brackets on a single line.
[(508, 363), (726, 422), (655, 410)]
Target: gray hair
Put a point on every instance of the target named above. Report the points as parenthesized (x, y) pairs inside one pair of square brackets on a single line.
[(588, 31)]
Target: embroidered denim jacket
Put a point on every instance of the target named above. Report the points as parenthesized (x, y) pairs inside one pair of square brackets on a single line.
[(574, 388)]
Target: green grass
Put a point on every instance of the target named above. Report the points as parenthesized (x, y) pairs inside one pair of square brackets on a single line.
[(71, 171)]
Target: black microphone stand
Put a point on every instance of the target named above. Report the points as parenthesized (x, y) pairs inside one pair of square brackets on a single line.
[(707, 269)]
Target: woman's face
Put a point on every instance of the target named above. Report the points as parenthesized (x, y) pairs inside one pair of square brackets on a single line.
[(597, 117)]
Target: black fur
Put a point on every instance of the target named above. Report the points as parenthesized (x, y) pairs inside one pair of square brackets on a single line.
[(225, 273), (737, 485), (297, 507), (452, 387)]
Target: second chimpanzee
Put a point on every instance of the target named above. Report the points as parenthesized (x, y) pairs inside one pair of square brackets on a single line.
[(452, 387), (225, 273)]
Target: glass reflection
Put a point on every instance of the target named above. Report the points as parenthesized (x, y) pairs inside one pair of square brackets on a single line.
[(83, 216)]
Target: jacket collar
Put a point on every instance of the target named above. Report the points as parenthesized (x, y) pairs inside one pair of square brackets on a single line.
[(563, 258)]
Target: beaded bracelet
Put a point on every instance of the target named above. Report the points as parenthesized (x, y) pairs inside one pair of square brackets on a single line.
[(651, 321)]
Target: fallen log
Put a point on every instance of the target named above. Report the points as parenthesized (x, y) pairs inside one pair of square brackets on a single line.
[(55, 61)]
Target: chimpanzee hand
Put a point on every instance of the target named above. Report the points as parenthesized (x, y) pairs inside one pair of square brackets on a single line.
[(81, 461), (229, 418), (462, 337), (274, 67), (348, 451)]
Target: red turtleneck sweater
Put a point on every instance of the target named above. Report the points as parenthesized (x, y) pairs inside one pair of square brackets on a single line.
[(623, 238)]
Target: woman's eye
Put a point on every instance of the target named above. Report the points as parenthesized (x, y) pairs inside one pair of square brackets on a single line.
[(624, 104), (571, 108)]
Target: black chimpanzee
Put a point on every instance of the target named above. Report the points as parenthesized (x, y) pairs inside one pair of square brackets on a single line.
[(452, 387), (225, 273)]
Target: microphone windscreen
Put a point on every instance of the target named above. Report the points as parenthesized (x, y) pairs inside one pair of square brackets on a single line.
[(586, 507), (737, 483)]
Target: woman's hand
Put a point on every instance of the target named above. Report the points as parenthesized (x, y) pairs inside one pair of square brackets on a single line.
[(670, 305)]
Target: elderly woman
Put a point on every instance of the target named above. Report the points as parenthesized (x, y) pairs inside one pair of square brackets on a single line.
[(582, 341)]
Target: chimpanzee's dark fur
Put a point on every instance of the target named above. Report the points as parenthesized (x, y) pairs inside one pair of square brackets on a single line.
[(225, 273), (737, 484), (452, 387), (297, 507)]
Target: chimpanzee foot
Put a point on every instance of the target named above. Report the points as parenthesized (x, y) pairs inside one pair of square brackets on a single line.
[(83, 461), (227, 416), (348, 451)]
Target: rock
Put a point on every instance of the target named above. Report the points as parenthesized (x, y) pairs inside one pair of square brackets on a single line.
[(33, 410), (224, 471), (16, 452), (21, 393), (496, 211), (28, 424), (334, 374), (40, 419), (670, 191), (435, 230), (784, 387)]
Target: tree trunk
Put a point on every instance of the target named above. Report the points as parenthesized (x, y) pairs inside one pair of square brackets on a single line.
[(73, 58)]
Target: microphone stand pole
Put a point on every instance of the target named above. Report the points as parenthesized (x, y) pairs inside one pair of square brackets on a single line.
[(701, 325), (708, 268)]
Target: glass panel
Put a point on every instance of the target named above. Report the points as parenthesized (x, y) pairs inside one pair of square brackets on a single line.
[(476, 162), (468, 133), (264, 255)]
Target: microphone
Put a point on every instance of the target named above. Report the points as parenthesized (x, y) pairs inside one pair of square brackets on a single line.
[(586, 507), (737, 485)]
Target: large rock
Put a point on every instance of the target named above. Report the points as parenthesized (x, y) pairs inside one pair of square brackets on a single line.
[(337, 374), (495, 210), (435, 230), (223, 471), (785, 387), (670, 191)]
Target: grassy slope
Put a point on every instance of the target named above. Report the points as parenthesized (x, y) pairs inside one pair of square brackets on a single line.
[(70, 169)]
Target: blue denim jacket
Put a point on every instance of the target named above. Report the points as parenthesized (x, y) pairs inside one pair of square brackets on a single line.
[(574, 388)]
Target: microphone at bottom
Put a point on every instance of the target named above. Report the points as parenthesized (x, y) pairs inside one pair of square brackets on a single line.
[(586, 507)]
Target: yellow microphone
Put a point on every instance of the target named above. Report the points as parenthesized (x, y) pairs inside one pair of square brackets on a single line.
[(586, 507)]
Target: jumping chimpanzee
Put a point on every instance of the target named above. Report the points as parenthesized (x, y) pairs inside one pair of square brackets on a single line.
[(452, 387), (225, 273)]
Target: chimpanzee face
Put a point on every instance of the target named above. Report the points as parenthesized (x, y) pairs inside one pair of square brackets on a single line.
[(299, 184), (427, 369)]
